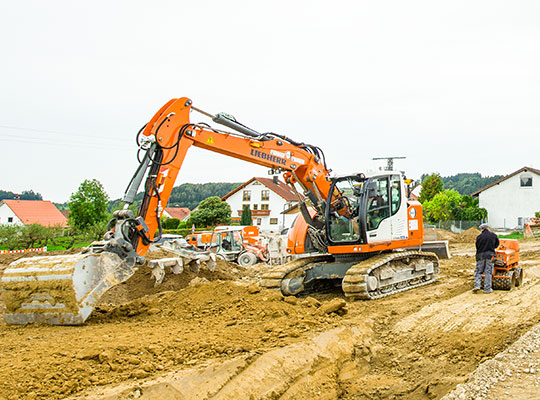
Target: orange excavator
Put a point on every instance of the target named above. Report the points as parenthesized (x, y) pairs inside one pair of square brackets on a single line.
[(357, 229)]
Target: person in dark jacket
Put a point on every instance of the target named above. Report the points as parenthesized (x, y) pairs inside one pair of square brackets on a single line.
[(486, 243)]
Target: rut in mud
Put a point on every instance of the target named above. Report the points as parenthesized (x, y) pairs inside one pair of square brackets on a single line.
[(225, 333)]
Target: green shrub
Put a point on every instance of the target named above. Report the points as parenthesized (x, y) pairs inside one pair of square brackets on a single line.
[(170, 223)]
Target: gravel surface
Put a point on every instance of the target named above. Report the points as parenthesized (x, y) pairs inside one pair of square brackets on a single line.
[(511, 374)]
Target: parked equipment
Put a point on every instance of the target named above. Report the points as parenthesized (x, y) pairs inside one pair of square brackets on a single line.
[(506, 270), (230, 245), (358, 231), (240, 244)]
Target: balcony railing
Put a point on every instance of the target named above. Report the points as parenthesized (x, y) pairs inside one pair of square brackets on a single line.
[(257, 213)]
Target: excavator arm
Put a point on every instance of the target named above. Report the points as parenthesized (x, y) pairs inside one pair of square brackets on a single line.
[(168, 136)]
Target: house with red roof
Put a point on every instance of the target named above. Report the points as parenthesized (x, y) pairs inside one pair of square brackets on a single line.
[(28, 212), (267, 198), (181, 213)]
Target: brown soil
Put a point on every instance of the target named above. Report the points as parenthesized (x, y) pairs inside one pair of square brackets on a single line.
[(142, 284), (446, 235), (469, 236), (235, 341)]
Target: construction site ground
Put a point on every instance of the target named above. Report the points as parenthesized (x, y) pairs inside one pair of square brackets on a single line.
[(216, 335)]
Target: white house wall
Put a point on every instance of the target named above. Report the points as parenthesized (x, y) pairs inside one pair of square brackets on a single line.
[(276, 204), (507, 201), (5, 213)]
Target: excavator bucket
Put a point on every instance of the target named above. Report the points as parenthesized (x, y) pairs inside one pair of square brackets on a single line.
[(59, 290)]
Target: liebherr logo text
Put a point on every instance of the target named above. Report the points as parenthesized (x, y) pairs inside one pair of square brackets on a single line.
[(264, 156)]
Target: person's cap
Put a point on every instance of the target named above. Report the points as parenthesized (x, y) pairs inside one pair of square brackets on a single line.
[(483, 226)]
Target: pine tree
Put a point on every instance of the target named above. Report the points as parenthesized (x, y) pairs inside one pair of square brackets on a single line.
[(246, 218)]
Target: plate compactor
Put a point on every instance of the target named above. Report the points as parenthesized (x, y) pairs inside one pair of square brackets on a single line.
[(506, 270)]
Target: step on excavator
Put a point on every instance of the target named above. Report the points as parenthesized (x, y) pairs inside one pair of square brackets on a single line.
[(358, 229)]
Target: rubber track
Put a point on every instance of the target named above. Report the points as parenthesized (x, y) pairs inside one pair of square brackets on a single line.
[(355, 281), (272, 279)]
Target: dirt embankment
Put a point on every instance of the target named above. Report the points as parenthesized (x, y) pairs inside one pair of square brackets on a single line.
[(222, 335), (468, 236)]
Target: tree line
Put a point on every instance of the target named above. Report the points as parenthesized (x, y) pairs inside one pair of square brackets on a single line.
[(189, 195), (465, 183), (25, 195), (441, 203)]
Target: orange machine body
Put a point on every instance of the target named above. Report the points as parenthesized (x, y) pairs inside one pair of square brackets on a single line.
[(506, 255)]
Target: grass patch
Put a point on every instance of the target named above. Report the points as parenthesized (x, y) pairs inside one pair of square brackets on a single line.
[(513, 235)]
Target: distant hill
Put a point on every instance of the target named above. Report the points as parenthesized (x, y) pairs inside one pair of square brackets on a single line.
[(467, 183), (189, 194), (26, 195)]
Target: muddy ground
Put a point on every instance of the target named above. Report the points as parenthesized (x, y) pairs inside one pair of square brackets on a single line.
[(222, 338)]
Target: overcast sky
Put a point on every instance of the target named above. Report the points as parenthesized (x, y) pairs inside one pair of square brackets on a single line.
[(452, 86)]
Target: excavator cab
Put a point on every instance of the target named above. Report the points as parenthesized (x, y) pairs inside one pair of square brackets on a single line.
[(364, 209)]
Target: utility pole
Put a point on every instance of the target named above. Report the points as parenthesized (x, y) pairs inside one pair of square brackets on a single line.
[(389, 161)]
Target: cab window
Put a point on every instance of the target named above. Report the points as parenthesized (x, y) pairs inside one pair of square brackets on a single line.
[(378, 204), (343, 216)]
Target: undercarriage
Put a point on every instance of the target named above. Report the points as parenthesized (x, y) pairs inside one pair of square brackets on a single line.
[(362, 276)]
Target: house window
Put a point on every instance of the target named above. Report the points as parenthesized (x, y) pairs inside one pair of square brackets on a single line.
[(264, 206), (255, 206), (10, 219), (273, 221), (256, 183), (246, 195), (259, 221), (525, 181), (265, 195)]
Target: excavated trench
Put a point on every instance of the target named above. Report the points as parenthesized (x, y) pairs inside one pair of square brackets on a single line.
[(222, 338)]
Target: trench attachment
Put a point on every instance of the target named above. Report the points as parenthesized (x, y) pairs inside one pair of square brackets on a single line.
[(60, 290)]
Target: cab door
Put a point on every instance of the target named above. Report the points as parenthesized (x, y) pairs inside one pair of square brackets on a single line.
[(379, 227), (386, 218), (398, 208)]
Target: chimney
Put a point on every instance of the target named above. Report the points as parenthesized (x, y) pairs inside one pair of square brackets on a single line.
[(275, 179)]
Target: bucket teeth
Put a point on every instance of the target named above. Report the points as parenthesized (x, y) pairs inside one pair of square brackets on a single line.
[(59, 290)]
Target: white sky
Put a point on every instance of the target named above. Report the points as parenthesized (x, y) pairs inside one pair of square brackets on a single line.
[(453, 86)]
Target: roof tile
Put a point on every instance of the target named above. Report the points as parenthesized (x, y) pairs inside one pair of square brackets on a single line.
[(36, 212)]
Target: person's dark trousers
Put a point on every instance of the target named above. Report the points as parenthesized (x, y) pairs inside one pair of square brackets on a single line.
[(483, 267)]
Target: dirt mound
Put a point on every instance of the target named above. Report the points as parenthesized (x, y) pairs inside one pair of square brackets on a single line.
[(468, 236), (446, 235), (142, 284)]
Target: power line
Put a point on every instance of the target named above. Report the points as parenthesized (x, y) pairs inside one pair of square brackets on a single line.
[(71, 134), (61, 143)]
